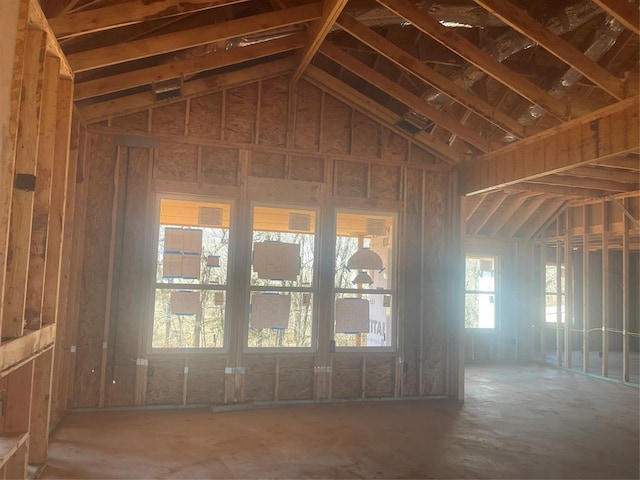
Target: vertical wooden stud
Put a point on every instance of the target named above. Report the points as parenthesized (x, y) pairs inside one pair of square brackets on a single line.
[(605, 289), (626, 293), (585, 289), (542, 321), (568, 294), (40, 408), (558, 302)]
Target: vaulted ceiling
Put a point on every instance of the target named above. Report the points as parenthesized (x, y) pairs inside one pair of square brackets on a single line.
[(535, 102)]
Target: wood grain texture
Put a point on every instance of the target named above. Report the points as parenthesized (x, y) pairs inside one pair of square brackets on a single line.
[(241, 106), (379, 376), (205, 116), (351, 179), (385, 182), (296, 378), (206, 379), (273, 112), (336, 126), (260, 377), (164, 383), (310, 169), (267, 164), (346, 376), (178, 162), (307, 119), (219, 166), (366, 136), (137, 122), (169, 119)]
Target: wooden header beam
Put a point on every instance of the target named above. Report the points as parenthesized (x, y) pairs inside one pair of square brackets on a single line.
[(170, 42), (611, 131), (520, 21), (478, 57), (317, 33)]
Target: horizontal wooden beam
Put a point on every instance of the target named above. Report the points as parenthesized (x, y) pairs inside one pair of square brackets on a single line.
[(16, 352), (317, 33), (415, 67), (610, 131), (626, 163), (624, 12), (559, 190), (38, 21), (478, 57), (607, 174), (190, 66), (141, 101), (171, 42), (129, 13), (610, 186), (396, 91), (520, 21), (370, 107)]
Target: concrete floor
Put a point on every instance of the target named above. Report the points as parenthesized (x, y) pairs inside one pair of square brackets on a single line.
[(517, 422), (595, 364)]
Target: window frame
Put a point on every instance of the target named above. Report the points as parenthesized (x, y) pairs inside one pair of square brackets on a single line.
[(393, 291), (559, 292), (154, 285), (495, 292), (314, 289)]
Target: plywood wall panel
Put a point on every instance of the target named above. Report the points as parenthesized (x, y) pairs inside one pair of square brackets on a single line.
[(296, 378), (93, 295), (205, 116), (309, 169), (421, 156), (133, 123), (366, 136), (394, 147), (379, 376), (385, 182), (336, 126), (177, 162), (169, 119), (351, 178), (273, 112), (219, 166), (165, 381), (241, 105), (267, 164), (120, 387), (205, 383), (307, 117), (260, 378)]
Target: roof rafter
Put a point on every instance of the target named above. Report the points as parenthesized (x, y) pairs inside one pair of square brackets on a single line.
[(413, 66), (316, 35), (120, 15), (170, 42), (626, 13), (520, 21), (478, 57), (144, 76), (393, 89)]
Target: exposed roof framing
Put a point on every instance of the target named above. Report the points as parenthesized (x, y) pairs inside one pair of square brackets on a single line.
[(532, 119)]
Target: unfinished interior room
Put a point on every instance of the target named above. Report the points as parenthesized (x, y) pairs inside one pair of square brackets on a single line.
[(319, 239)]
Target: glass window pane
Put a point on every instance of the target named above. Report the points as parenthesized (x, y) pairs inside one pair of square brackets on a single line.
[(480, 274), (479, 310), (299, 324), (378, 331), (197, 323)]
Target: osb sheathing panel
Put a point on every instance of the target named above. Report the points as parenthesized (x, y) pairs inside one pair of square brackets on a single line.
[(379, 376), (336, 126), (366, 136), (410, 270), (205, 116), (295, 378), (309, 169), (205, 383), (419, 155), (177, 162), (273, 112), (165, 381), (307, 116), (219, 166), (133, 123), (131, 263), (346, 376), (120, 384), (394, 147), (267, 164), (241, 105), (260, 378), (436, 276), (95, 263), (169, 119), (351, 178), (385, 182)]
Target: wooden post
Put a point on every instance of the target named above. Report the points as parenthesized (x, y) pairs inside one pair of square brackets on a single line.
[(585, 289), (626, 293), (15, 288), (42, 197), (568, 294), (605, 289), (40, 408), (558, 302)]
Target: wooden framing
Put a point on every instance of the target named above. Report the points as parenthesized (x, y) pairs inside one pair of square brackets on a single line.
[(624, 12)]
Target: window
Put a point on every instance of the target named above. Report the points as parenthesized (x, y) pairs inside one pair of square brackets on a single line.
[(480, 292), (364, 280), (191, 274), (551, 293), (282, 278)]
